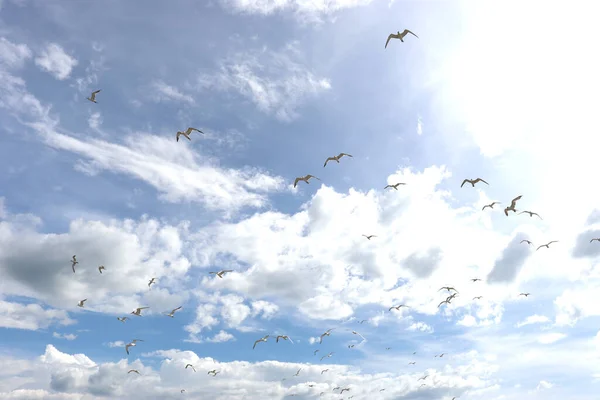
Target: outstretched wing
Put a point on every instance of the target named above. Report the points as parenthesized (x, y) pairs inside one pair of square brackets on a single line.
[(312, 176), (391, 36), (190, 129), (328, 159), (513, 203), (343, 154), (407, 31), (481, 180), (465, 181), (296, 181)]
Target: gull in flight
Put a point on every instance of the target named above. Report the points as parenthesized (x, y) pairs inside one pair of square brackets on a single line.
[(531, 213), (398, 36), (138, 311), (263, 339), (351, 346), (122, 319), (190, 365), (412, 363), (136, 340), (92, 97), (398, 307), (364, 320), (422, 384), (453, 295), (221, 273), (214, 372), (473, 182), (423, 378), (447, 301), (327, 333), (441, 355), (491, 205), (477, 297), (448, 288), (524, 294), (128, 345), (336, 388), (327, 356), (526, 241), (475, 279), (298, 373), (284, 337), (100, 268), (325, 370), (387, 348), (187, 133), (344, 390), (336, 158), (305, 179), (315, 352), (596, 239), (512, 206), (172, 313), (547, 245), (182, 390), (73, 263), (370, 236), (151, 281), (356, 333), (394, 186), (80, 304), (133, 370)]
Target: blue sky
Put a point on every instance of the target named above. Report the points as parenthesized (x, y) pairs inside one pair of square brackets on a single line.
[(277, 87)]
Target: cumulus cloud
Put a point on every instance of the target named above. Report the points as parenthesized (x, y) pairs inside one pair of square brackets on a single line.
[(56, 61), (30, 316)]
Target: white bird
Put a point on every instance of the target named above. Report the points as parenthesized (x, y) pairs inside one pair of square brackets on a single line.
[(100, 268), (473, 181), (73, 263), (92, 97), (122, 319), (133, 370), (325, 370), (214, 372), (190, 365), (512, 206), (221, 273), (370, 236), (395, 185), (172, 313), (305, 179), (336, 158), (263, 339), (80, 304), (356, 333), (128, 345), (398, 307), (284, 337), (151, 281), (327, 333), (187, 133), (138, 311), (547, 245), (398, 36), (327, 356), (531, 214), (491, 205)]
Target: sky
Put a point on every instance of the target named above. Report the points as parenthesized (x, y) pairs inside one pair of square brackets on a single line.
[(504, 91)]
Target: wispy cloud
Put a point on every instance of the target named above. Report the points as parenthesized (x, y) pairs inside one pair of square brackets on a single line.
[(95, 120), (533, 319), (54, 60), (68, 336), (160, 91), (13, 55)]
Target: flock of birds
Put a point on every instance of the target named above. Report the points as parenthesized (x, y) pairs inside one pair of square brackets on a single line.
[(451, 291)]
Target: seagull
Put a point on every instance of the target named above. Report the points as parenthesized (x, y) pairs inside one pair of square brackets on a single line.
[(398, 307), (138, 311), (74, 262), (453, 295), (128, 345), (387, 348), (422, 384), (344, 390), (92, 97), (305, 179), (524, 294), (512, 206), (370, 236), (151, 281), (284, 337), (356, 333), (448, 288), (423, 378), (214, 372), (351, 346), (475, 279), (133, 370), (221, 273), (364, 320), (325, 370), (447, 301), (398, 36), (311, 385), (473, 182), (182, 390), (531, 213), (122, 319), (381, 390), (441, 355), (526, 241), (336, 388), (412, 363), (336, 158), (263, 339), (327, 356), (187, 133), (491, 205), (477, 297), (395, 186), (315, 352), (80, 304), (327, 333), (547, 245), (172, 313), (190, 365), (596, 239), (100, 268), (298, 373)]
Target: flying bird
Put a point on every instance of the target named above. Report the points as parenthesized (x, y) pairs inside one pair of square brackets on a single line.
[(423, 378), (214, 372), (138, 311), (512, 206), (398, 36), (92, 97), (388, 348), (173, 311), (190, 365), (453, 295), (364, 320), (327, 333), (448, 288), (475, 279), (315, 352), (182, 390), (284, 337), (473, 182), (477, 298), (128, 345), (133, 370), (187, 133), (221, 273), (441, 355), (447, 301), (151, 281), (336, 158), (305, 179), (74, 262), (596, 239), (344, 390), (122, 319), (394, 186), (298, 373), (370, 236), (526, 241), (100, 268), (524, 294), (351, 346), (491, 205), (325, 370), (336, 388), (80, 304), (547, 245), (327, 356), (398, 307), (412, 363), (531, 213), (356, 333), (263, 339)]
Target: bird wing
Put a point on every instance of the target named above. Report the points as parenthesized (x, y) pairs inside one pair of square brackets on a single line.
[(391, 36), (329, 159), (227, 270), (296, 181), (343, 154), (407, 31), (189, 130), (554, 241), (465, 181), (481, 180), (513, 203), (175, 309), (311, 176)]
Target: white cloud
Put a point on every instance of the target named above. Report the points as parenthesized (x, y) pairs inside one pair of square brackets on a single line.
[(118, 343), (276, 82), (68, 336), (28, 316), (419, 126), (550, 338), (95, 120), (533, 319), (420, 326), (13, 55), (160, 92), (221, 337), (54, 60), (544, 385)]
